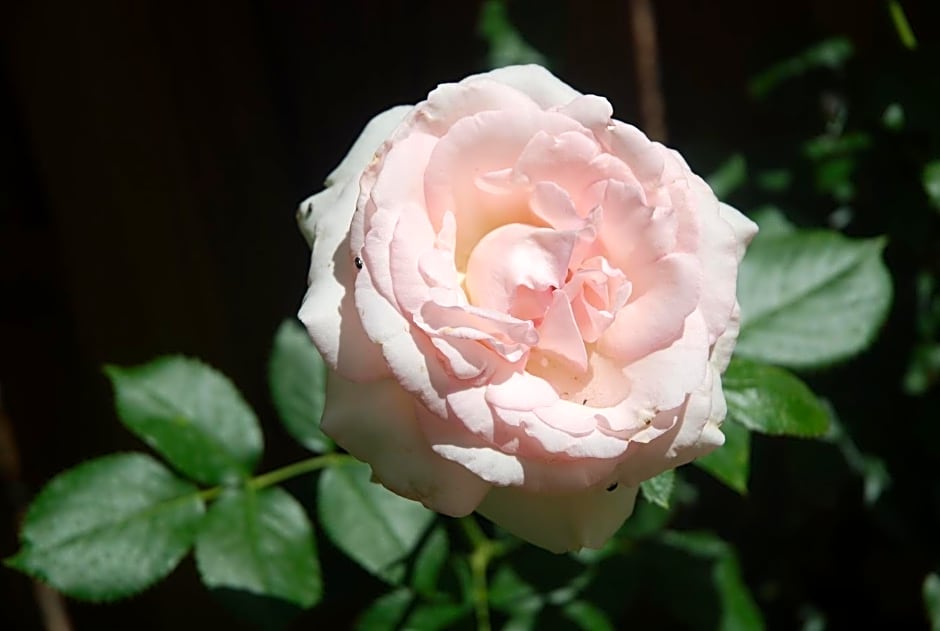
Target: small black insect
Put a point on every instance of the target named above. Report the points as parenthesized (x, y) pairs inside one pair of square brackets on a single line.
[(613, 486), (357, 262)]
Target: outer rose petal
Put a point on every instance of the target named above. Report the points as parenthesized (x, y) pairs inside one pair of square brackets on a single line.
[(328, 310), (542, 86), (376, 423), (561, 522), (376, 131)]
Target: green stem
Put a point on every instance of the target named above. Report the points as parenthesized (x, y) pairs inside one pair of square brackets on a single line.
[(284, 473), (483, 552)]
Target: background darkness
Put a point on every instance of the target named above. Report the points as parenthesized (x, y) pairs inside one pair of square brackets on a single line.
[(152, 157)]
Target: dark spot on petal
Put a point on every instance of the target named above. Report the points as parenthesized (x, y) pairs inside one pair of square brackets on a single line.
[(613, 487), (584, 402), (358, 262)]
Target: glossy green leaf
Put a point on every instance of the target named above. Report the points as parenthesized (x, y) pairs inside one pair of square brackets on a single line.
[(659, 489), (770, 400), (730, 463), (931, 591), (297, 380), (372, 525), (109, 528), (192, 415), (260, 542), (729, 177), (811, 298)]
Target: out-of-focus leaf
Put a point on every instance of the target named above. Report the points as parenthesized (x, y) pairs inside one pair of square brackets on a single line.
[(192, 415), (729, 177), (772, 223), (260, 542), (830, 53), (109, 528), (828, 146), (893, 117), (931, 180), (770, 400), (873, 471), (509, 593), (386, 612), (775, 181), (297, 380), (739, 612), (506, 46), (811, 298), (730, 463), (658, 490), (586, 616), (370, 524), (431, 616), (931, 591), (430, 561)]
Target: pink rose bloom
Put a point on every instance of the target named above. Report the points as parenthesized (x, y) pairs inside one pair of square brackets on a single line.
[(526, 305)]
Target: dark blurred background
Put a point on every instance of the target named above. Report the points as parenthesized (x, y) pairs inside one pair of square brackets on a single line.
[(153, 155)]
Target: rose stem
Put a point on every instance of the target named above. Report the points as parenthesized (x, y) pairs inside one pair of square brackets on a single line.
[(285, 473), (483, 552)]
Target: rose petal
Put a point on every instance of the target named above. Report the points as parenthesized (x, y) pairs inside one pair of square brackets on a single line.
[(560, 522), (369, 141), (328, 310), (376, 423)]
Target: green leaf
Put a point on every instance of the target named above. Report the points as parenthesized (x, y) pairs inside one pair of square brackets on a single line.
[(587, 616), (506, 46), (109, 528), (931, 592), (739, 612), (437, 615), (772, 223), (770, 400), (192, 415), (511, 594), (874, 472), (373, 526), (730, 463), (386, 612), (830, 53), (931, 181), (658, 490), (297, 380), (430, 561), (893, 117), (729, 177), (260, 542), (811, 298)]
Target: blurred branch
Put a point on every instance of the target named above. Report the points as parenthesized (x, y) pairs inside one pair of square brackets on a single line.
[(646, 58), (50, 603)]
